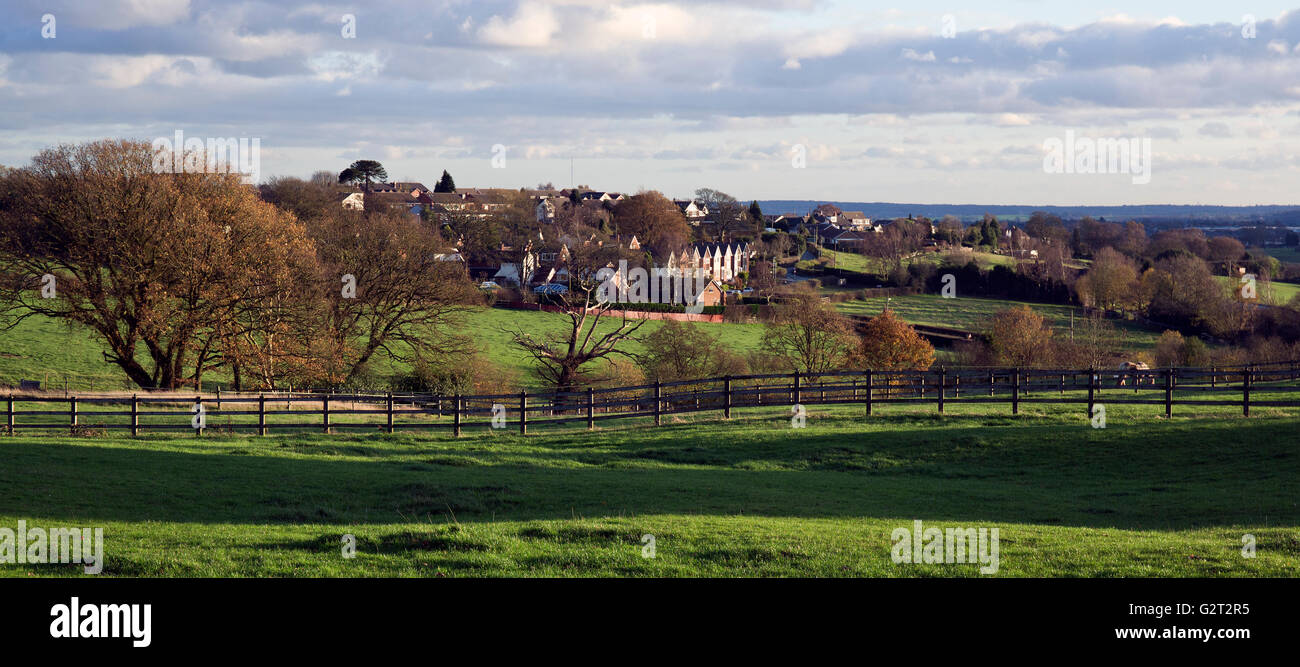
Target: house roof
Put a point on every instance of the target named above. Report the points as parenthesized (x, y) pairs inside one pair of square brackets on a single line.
[(399, 186)]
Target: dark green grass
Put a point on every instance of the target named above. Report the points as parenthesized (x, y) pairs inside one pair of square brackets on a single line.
[(1142, 497)]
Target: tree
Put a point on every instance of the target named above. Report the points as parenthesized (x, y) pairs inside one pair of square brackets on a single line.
[(364, 172), (385, 290), (808, 335), (1173, 349), (323, 178), (895, 243), (888, 343), (756, 217), (729, 215), (1094, 343), (1169, 349), (1181, 291), (1226, 252), (1111, 283), (445, 184), (949, 229), (304, 199), (991, 231), (1047, 228), (684, 351), (1018, 336), (655, 221), (165, 268), (564, 358), (1173, 241)]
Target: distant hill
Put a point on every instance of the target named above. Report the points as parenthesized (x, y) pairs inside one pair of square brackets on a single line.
[(1289, 215)]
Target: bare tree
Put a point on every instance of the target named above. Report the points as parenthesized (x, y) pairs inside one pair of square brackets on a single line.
[(896, 242), (387, 285), (564, 358), (808, 335)]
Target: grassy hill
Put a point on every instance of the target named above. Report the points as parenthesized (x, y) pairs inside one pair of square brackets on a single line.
[(851, 261), (1275, 293), (971, 313), (752, 497), (49, 351)]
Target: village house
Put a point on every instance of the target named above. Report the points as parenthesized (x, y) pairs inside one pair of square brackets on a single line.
[(693, 210)]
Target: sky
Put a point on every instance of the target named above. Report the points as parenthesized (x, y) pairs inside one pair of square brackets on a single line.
[(922, 102)]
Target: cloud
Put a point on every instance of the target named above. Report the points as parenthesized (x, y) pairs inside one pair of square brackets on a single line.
[(715, 82), (1215, 129), (532, 26)]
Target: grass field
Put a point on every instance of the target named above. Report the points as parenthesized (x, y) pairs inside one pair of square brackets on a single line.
[(971, 313), (46, 350), (851, 261), (1276, 293), (750, 497)]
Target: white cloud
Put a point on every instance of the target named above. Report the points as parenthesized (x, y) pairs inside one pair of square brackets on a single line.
[(532, 26)]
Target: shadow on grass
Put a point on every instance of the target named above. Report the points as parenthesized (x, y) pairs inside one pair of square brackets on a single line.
[(1158, 476)]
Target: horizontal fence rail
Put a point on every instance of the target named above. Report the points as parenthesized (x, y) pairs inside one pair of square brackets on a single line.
[(1258, 385)]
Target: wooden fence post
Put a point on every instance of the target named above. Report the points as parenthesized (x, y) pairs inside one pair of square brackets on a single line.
[(523, 413), (325, 412), (943, 382), (135, 416), (261, 414), (990, 385), (1245, 392), (591, 408), (1169, 393), (658, 404), (389, 415), (1213, 375), (198, 400), (798, 394), (1092, 380), (9, 416), (456, 420), (1015, 392), (72, 410), (869, 387), (726, 397)]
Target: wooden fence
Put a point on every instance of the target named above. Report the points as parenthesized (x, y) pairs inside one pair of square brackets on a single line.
[(1252, 386)]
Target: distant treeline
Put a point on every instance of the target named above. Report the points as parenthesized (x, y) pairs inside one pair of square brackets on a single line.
[(1160, 214)]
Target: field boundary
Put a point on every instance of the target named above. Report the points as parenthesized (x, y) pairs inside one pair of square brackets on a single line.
[(1244, 386)]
